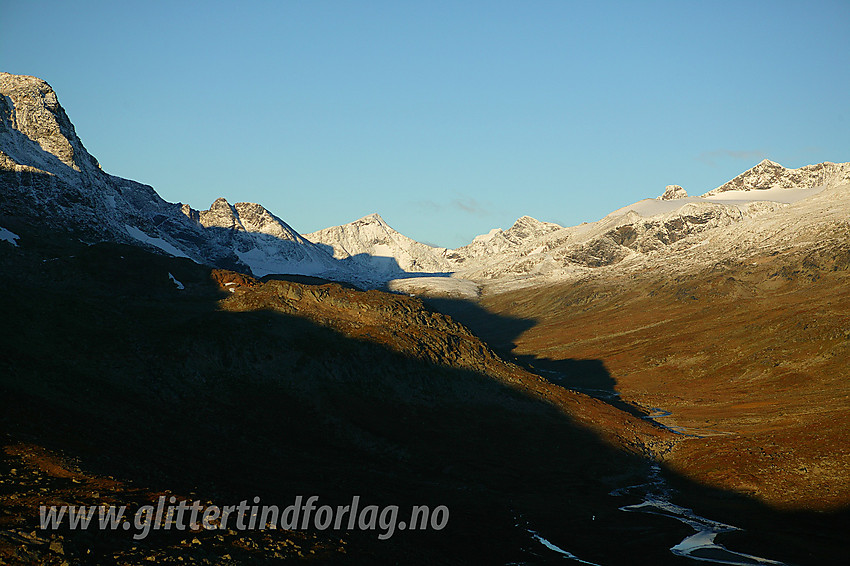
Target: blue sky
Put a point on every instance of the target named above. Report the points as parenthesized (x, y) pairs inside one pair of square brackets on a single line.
[(447, 118)]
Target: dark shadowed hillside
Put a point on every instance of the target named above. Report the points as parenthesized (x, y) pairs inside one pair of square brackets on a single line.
[(118, 386)]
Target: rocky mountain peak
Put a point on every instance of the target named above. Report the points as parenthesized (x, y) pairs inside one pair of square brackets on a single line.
[(38, 130), (220, 204), (221, 215), (256, 218), (673, 192), (526, 220), (502, 242), (373, 218), (527, 227), (768, 174), (242, 217)]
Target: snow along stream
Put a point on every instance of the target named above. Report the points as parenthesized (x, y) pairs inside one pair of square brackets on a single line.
[(701, 545), (657, 495)]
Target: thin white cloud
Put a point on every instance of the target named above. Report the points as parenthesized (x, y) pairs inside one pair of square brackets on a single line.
[(471, 206), (464, 204)]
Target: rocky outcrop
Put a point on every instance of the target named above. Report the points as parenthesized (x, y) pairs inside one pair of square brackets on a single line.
[(673, 192)]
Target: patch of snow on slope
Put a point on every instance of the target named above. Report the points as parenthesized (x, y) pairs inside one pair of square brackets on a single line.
[(156, 242), (7, 236), (179, 285), (382, 250), (443, 287), (787, 196)]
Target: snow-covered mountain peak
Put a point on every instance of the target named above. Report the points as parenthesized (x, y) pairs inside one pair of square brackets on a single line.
[(501, 243), (373, 218), (526, 220), (371, 245), (246, 217), (523, 228), (256, 218), (771, 175)]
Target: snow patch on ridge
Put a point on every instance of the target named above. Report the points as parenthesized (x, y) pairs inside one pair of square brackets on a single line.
[(177, 283), (738, 198), (156, 242), (8, 236)]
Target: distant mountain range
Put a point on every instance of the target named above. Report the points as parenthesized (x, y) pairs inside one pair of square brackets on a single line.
[(47, 176)]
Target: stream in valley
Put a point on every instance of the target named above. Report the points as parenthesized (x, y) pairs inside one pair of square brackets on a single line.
[(656, 498)]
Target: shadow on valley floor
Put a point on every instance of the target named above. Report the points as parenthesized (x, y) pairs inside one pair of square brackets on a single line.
[(114, 367), (500, 332), (592, 377)]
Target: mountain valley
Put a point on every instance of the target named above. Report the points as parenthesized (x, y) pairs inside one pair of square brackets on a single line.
[(528, 380)]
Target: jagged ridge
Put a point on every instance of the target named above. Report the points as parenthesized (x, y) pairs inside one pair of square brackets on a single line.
[(48, 177)]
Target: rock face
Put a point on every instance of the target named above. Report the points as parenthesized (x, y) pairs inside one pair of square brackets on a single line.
[(673, 192), (48, 177), (46, 173)]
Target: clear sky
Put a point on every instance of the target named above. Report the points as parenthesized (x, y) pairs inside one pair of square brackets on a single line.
[(447, 118)]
